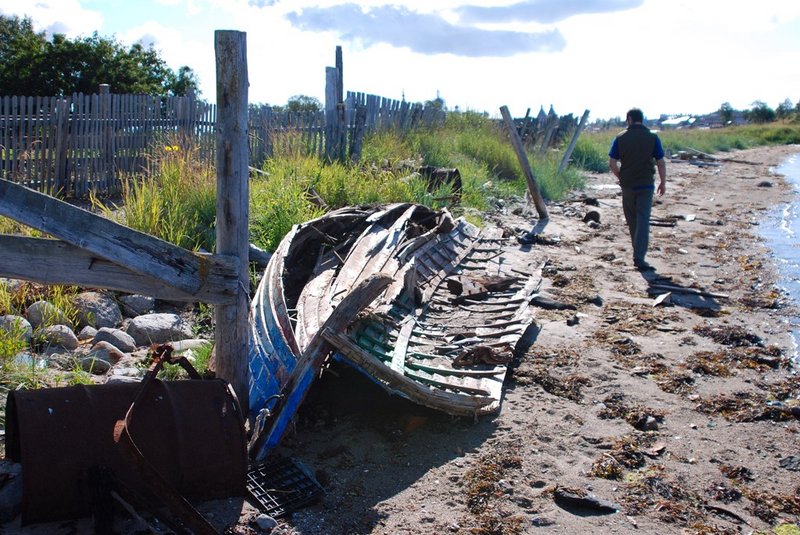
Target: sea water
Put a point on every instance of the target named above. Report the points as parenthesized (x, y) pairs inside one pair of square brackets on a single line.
[(781, 232)]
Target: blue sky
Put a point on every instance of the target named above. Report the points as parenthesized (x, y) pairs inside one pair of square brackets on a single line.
[(665, 56)]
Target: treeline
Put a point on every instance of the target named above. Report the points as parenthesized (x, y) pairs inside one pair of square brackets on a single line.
[(33, 65), (761, 112)]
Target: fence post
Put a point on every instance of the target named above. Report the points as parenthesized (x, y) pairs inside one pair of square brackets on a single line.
[(331, 136), (359, 127), (341, 120), (573, 141), (231, 333), (552, 122), (533, 187), (60, 180), (106, 138)]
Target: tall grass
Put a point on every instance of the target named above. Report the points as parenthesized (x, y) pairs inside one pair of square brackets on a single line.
[(177, 203)]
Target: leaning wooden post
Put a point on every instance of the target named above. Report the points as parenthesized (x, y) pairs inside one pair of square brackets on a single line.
[(230, 338), (533, 188), (573, 141)]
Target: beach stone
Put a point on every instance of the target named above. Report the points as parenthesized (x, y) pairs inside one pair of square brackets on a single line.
[(592, 216), (107, 352), (116, 337), (97, 309), (94, 366), (60, 336), (11, 323), (45, 312), (137, 305), (158, 328), (87, 333), (266, 522)]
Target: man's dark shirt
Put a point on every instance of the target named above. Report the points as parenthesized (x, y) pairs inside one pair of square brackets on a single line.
[(637, 148)]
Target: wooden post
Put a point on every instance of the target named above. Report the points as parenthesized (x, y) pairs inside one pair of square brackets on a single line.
[(341, 118), (331, 136), (61, 178), (533, 187), (552, 122), (232, 321), (106, 134), (340, 76), (573, 141)]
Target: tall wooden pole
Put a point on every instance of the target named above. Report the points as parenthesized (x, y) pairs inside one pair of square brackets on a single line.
[(231, 334), (533, 187), (573, 141)]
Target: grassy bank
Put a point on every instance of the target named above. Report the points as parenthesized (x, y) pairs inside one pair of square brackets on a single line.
[(591, 152)]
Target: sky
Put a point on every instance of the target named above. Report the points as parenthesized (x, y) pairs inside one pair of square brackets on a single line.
[(664, 56)]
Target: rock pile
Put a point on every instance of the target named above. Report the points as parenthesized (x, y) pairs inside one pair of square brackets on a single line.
[(109, 338)]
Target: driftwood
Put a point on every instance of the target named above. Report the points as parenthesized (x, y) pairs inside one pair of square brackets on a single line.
[(683, 289)]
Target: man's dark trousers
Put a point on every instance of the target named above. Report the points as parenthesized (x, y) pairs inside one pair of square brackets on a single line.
[(636, 205)]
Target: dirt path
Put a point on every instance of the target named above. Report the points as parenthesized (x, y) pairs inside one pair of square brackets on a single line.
[(675, 414)]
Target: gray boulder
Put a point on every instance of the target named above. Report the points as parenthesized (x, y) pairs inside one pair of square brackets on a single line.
[(42, 312), (59, 336), (97, 309), (87, 333), (12, 324), (158, 329), (107, 352), (137, 305), (117, 338), (94, 366)]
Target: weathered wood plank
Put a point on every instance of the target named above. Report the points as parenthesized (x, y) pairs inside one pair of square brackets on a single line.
[(533, 187), (33, 259), (231, 333), (109, 240)]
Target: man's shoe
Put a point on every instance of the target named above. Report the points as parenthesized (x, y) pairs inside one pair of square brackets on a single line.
[(643, 266)]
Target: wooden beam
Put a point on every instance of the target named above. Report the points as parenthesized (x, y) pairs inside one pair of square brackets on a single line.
[(533, 187), (567, 153), (231, 341), (33, 259), (104, 238)]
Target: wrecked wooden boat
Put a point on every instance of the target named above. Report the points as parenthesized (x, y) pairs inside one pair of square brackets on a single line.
[(427, 306)]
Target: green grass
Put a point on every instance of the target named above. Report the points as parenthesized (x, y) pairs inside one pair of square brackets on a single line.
[(591, 152)]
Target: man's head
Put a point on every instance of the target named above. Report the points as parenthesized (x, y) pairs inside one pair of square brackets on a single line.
[(634, 116)]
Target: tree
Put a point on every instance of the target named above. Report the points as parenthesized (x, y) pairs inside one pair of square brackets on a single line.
[(31, 65), (21, 55), (726, 112), (302, 103), (784, 109), (761, 113)]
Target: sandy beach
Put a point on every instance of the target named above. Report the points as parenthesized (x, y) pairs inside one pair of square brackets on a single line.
[(659, 402), (678, 416)]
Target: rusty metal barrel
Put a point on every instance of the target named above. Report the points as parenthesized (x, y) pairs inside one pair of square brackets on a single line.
[(191, 432)]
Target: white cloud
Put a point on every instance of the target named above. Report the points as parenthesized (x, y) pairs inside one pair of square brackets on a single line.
[(56, 16)]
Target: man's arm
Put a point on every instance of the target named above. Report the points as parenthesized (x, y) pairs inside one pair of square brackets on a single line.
[(661, 165), (613, 166)]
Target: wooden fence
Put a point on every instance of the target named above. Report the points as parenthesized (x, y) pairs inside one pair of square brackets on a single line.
[(84, 143)]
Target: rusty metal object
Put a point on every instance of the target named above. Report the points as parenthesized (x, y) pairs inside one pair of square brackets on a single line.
[(176, 512), (191, 432)]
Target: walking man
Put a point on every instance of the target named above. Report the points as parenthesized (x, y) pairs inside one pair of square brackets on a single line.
[(640, 153)]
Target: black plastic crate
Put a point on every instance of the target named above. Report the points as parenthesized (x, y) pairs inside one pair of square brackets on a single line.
[(281, 486)]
